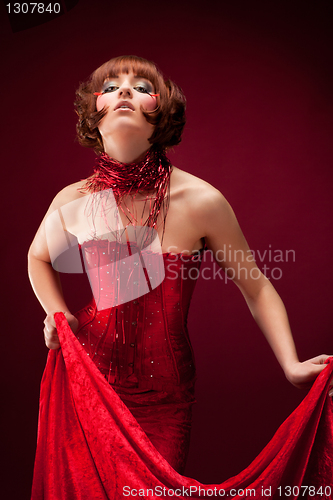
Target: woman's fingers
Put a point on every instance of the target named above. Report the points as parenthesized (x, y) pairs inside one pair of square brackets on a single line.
[(51, 338), (303, 374), (321, 360), (50, 332), (50, 329)]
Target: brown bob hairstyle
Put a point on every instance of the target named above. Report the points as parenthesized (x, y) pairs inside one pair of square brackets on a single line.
[(168, 117)]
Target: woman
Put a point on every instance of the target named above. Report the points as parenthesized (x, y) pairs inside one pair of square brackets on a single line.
[(133, 212)]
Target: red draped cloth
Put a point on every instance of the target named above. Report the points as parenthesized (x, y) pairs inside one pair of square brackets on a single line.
[(90, 447)]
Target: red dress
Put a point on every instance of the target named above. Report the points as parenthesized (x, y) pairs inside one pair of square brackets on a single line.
[(115, 406), (142, 347)]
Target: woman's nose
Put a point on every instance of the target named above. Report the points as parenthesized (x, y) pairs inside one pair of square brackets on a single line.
[(125, 90)]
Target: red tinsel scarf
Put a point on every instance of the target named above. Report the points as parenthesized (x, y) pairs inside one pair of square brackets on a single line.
[(128, 179)]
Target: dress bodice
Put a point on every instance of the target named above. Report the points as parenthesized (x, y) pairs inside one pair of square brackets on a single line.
[(141, 343)]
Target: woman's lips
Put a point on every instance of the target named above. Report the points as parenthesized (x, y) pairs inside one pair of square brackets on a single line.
[(124, 105)]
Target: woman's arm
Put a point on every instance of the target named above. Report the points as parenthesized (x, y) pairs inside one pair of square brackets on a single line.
[(270, 314), (46, 282), (226, 240)]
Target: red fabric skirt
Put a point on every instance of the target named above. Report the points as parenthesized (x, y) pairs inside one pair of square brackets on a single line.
[(91, 447)]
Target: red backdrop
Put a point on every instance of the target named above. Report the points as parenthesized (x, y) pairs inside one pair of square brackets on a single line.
[(258, 80)]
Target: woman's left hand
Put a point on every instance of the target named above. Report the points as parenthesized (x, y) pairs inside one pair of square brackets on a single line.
[(302, 375)]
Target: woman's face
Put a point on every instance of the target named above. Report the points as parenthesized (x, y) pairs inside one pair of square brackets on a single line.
[(125, 96)]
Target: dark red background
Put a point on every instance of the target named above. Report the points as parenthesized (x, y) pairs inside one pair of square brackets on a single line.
[(258, 80)]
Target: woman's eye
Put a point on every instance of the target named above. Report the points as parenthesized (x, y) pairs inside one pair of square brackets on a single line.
[(141, 89), (110, 88)]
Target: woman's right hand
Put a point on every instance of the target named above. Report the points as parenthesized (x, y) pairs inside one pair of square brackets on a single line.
[(50, 329)]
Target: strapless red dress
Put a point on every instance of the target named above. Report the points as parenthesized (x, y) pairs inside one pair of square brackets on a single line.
[(116, 399), (142, 347)]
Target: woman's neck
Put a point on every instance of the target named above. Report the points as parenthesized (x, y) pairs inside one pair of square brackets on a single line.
[(126, 151)]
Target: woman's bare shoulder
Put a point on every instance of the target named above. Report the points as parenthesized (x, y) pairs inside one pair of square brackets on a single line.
[(204, 203), (195, 189), (69, 193)]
